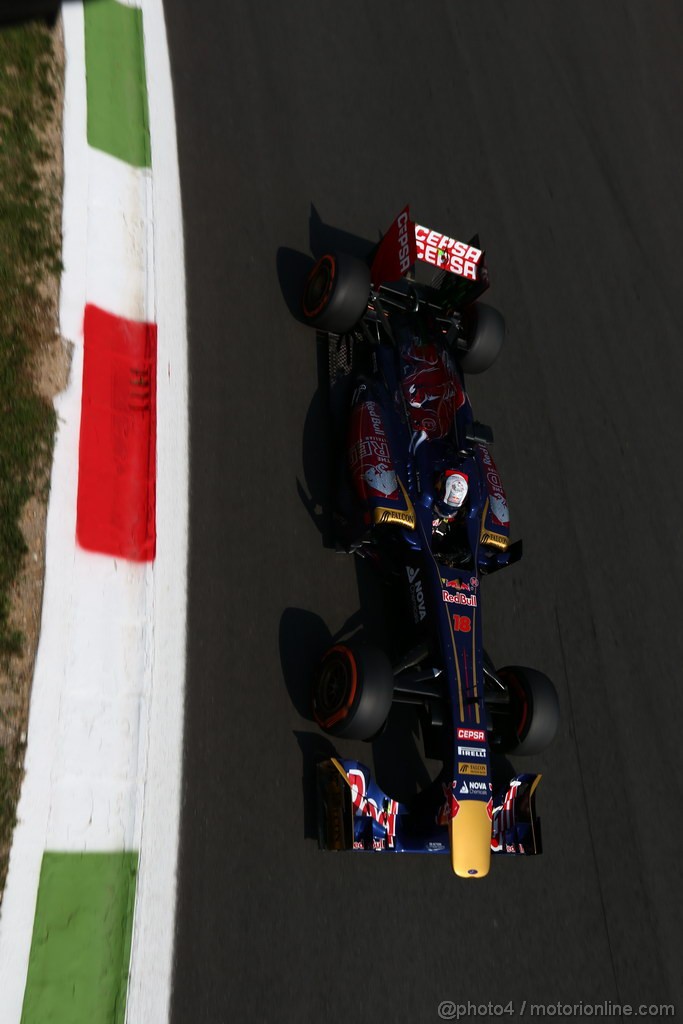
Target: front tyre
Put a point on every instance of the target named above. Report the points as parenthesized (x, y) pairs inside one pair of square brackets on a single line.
[(336, 293), (535, 709), (352, 691)]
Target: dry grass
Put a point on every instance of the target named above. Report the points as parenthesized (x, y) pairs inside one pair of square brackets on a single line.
[(32, 367)]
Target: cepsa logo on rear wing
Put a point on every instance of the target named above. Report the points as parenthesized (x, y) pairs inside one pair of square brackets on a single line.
[(406, 241)]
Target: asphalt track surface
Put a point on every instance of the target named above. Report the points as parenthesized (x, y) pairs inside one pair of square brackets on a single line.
[(554, 130)]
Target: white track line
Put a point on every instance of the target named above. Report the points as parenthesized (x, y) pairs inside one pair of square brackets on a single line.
[(154, 923)]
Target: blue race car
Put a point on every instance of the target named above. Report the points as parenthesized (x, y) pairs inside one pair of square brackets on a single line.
[(418, 495)]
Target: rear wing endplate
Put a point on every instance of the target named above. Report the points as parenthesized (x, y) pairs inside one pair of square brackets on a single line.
[(406, 242)]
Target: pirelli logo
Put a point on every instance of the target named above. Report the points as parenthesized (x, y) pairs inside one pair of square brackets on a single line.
[(464, 768), (396, 516), (494, 540)]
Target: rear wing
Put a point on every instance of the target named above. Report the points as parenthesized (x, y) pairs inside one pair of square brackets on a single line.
[(462, 273)]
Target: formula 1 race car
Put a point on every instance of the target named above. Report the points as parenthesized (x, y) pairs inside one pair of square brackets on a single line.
[(418, 495)]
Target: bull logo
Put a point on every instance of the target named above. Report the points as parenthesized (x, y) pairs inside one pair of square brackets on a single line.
[(381, 479)]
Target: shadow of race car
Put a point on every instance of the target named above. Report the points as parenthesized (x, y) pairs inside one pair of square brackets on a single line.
[(417, 494)]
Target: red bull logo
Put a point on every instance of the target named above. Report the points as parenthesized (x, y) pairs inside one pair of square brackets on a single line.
[(363, 804), (460, 598)]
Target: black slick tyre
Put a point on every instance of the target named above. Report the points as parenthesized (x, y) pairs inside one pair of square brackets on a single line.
[(535, 709), (336, 293), (352, 691)]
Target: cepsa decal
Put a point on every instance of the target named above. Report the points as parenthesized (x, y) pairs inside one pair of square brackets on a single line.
[(402, 222), (471, 769), (447, 253), (477, 735), (497, 500), (396, 252)]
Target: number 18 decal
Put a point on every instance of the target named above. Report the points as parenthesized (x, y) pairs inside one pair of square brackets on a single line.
[(462, 623)]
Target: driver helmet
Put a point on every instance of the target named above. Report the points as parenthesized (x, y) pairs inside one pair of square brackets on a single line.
[(451, 489)]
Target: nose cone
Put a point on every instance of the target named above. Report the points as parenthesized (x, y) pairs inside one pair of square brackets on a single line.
[(470, 835)]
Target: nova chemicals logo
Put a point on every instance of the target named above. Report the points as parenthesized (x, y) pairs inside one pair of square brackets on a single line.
[(417, 594)]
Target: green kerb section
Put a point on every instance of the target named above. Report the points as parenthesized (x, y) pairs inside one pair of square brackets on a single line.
[(118, 114), (80, 952)]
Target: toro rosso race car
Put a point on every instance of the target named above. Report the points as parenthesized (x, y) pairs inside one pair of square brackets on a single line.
[(417, 494)]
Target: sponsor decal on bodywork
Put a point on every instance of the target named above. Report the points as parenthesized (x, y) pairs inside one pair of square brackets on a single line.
[(477, 787), (370, 460), (477, 735), (473, 787), (416, 594), (395, 516), (457, 584), (459, 598), (494, 540), (431, 389), (365, 805), (450, 808), (497, 500), (516, 827), (447, 253), (396, 252), (465, 768), (371, 466)]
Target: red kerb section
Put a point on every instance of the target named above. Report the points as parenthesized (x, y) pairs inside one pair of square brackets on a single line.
[(116, 513)]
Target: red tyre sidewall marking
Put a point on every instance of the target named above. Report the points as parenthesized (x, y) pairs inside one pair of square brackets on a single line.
[(515, 684), (338, 716), (310, 313)]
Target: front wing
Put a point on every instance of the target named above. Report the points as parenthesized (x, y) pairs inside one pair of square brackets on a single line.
[(355, 814)]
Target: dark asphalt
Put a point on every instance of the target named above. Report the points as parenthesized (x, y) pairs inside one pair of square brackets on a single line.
[(555, 131)]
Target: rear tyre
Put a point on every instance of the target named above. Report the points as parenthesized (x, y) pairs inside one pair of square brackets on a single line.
[(336, 293), (535, 710), (485, 334), (352, 691)]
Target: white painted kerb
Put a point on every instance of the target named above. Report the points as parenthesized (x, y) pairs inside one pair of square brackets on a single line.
[(105, 731)]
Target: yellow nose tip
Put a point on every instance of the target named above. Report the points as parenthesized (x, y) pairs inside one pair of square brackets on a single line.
[(470, 836)]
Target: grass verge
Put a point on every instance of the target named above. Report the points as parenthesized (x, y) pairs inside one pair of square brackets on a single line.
[(30, 248)]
